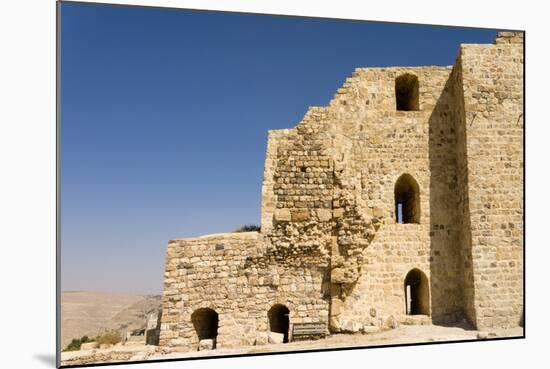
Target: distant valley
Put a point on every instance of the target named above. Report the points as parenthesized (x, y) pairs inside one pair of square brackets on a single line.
[(90, 313)]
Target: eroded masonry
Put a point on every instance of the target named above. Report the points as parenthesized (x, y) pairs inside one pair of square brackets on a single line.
[(400, 201)]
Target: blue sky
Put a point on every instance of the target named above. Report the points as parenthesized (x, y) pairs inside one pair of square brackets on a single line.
[(164, 120)]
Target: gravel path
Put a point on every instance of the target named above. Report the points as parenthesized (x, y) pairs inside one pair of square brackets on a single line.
[(402, 335)]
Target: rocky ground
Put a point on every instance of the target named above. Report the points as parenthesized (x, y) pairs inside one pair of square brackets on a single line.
[(401, 335)]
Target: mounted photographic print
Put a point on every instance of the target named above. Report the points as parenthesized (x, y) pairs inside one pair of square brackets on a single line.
[(243, 184)]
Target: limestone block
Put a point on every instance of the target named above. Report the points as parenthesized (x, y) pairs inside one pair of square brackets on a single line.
[(377, 212), (300, 216), (178, 342), (282, 215), (324, 215), (206, 344), (338, 213), (337, 275), (275, 337)]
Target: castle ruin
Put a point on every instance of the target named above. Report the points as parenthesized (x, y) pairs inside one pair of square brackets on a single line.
[(400, 201)]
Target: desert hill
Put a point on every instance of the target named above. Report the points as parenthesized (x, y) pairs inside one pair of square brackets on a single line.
[(90, 313)]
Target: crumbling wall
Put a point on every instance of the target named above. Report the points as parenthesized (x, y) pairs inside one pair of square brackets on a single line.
[(330, 248), (366, 144), (229, 274)]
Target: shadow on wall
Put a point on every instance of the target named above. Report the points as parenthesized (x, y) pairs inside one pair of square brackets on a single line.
[(446, 267)]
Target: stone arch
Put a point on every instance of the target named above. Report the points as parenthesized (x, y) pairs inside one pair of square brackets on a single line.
[(279, 321), (206, 321), (406, 92), (407, 200), (417, 293)]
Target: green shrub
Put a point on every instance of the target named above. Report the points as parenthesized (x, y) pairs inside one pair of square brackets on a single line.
[(248, 228), (86, 339), (77, 343), (74, 345)]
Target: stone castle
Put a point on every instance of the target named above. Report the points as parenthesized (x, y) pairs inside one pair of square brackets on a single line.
[(399, 202)]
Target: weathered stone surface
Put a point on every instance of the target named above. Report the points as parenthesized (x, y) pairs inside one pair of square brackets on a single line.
[(338, 213), (282, 215), (377, 212), (324, 215), (275, 337), (300, 216), (336, 307), (261, 339)]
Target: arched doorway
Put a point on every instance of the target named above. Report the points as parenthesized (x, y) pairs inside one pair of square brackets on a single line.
[(278, 320), (417, 294), (205, 321), (407, 200)]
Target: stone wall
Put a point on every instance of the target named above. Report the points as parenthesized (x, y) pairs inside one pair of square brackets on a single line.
[(331, 249), (457, 114), (386, 144), (493, 100), (229, 274)]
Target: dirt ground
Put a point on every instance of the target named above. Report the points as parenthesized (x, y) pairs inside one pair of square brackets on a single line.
[(401, 335)]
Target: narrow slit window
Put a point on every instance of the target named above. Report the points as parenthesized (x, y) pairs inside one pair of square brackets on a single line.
[(407, 200), (406, 92)]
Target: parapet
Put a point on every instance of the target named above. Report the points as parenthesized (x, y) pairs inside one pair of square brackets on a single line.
[(220, 244), (514, 37)]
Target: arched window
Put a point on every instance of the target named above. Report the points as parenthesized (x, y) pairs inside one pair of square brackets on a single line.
[(205, 322), (407, 200), (278, 320), (417, 294), (406, 92)]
